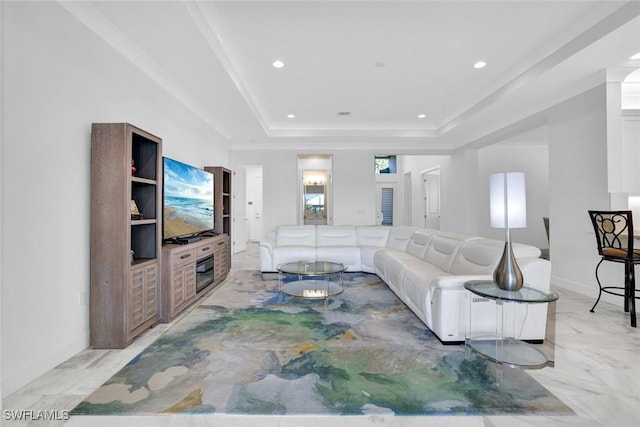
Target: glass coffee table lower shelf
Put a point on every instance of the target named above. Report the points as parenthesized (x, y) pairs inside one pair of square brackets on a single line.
[(311, 289), (311, 279)]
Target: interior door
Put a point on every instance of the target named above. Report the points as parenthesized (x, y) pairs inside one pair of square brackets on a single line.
[(254, 203), (240, 224), (431, 191)]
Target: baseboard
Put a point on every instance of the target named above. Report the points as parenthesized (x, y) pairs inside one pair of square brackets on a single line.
[(580, 288), (14, 381), (590, 291)]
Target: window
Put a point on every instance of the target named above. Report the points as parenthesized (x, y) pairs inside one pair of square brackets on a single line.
[(314, 201), (387, 206), (385, 164)]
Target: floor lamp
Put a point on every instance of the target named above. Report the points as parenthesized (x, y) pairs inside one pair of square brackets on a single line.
[(508, 204)]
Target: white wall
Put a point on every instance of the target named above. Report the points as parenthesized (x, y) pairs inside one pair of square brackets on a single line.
[(1, 199), (533, 160), (57, 79), (353, 185), (460, 207), (417, 164), (465, 188), (578, 177), (279, 184)]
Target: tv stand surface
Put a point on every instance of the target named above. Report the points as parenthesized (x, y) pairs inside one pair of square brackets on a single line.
[(179, 271), (183, 240)]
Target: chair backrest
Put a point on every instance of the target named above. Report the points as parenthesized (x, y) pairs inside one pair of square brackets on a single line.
[(614, 233)]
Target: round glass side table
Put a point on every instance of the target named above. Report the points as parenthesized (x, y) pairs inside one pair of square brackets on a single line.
[(504, 348)]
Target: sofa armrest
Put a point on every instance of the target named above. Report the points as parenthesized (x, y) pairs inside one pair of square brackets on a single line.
[(457, 281), (266, 255), (536, 272), (267, 244)]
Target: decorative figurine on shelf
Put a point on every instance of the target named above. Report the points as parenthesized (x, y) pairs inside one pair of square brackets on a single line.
[(135, 212), (133, 168)]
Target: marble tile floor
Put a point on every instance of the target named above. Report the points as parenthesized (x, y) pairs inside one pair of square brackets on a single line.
[(596, 373)]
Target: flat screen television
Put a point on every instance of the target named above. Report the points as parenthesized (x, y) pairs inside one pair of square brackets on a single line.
[(187, 200)]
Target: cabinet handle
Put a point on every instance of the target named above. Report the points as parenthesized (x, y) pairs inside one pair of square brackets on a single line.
[(206, 249), (185, 256), (220, 243)]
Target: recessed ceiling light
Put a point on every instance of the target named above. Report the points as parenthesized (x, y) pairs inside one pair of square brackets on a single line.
[(291, 116), (278, 64), (636, 56), (479, 64), (422, 116)]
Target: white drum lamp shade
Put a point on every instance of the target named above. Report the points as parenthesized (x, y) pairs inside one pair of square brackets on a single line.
[(508, 200)]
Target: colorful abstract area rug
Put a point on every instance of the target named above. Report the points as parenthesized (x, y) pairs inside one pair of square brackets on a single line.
[(248, 349)]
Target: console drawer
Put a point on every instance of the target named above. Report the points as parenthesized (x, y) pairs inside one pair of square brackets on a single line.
[(184, 257), (205, 250)]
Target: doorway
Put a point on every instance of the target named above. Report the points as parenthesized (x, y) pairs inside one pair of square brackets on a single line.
[(315, 190), (431, 193), (247, 220)]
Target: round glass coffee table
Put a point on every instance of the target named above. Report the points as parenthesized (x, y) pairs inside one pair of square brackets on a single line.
[(311, 279)]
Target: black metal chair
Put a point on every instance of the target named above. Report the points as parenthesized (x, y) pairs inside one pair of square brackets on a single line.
[(614, 233)]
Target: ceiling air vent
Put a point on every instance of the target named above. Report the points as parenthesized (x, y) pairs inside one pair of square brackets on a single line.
[(344, 113)]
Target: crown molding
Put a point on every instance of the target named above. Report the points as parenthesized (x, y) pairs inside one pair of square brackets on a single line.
[(95, 21)]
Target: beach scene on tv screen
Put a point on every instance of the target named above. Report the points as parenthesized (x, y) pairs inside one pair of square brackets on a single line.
[(188, 199)]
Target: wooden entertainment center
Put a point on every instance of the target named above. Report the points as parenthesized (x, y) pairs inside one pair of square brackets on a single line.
[(135, 280), (187, 273)]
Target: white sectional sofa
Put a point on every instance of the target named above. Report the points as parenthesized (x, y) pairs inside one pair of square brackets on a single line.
[(425, 268)]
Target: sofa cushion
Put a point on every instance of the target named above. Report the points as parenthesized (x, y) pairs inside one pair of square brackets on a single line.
[(347, 255), (372, 235), (416, 288), (367, 254), (419, 243), (521, 250), (382, 257), (370, 238), (396, 264), (479, 256), (291, 253), (336, 235), (443, 250), (296, 235), (399, 237)]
